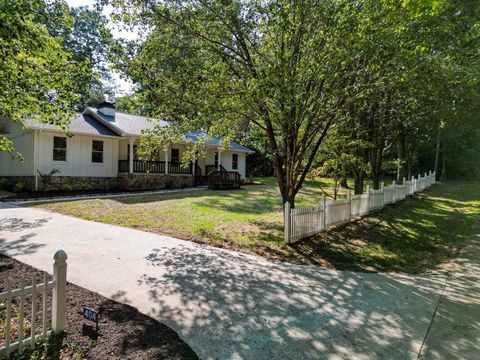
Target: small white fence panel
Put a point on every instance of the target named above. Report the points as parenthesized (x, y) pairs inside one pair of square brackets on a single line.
[(376, 199), (337, 212), (389, 195), (360, 204), (58, 287), (304, 222)]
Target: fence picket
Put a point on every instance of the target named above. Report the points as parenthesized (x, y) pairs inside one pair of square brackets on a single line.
[(44, 310), (20, 316), (34, 312), (8, 316)]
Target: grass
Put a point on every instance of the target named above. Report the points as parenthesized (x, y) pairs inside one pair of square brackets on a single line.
[(412, 236)]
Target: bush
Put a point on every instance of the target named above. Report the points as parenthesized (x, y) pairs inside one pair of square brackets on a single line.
[(47, 178), (104, 185), (3, 183), (85, 186), (67, 187), (247, 181), (20, 186)]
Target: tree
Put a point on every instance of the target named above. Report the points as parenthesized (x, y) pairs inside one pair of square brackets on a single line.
[(220, 65), (293, 69), (89, 39), (38, 77)]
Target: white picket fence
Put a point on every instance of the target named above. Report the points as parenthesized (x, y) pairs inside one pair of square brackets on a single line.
[(304, 222), (38, 330)]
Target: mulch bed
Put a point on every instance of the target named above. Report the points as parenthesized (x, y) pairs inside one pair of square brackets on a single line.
[(124, 333)]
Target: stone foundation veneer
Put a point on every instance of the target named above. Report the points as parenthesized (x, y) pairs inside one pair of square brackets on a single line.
[(154, 181), (124, 182)]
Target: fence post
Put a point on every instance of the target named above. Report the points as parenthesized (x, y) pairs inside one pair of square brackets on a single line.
[(382, 186), (324, 204), (59, 291), (287, 222), (368, 199), (349, 198), (394, 184)]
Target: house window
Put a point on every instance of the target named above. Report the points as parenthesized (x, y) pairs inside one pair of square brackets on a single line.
[(234, 161), (59, 148), (97, 151), (135, 157), (216, 160), (175, 156)]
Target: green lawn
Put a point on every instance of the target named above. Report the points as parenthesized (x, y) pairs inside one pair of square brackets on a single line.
[(412, 236)]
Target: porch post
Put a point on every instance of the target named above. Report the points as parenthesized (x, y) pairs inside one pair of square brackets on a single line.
[(130, 164), (219, 159), (166, 159)]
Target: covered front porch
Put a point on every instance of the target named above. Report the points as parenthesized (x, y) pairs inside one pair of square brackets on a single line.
[(167, 162)]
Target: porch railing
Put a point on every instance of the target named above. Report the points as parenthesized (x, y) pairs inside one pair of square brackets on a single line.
[(153, 167), (224, 180), (179, 168)]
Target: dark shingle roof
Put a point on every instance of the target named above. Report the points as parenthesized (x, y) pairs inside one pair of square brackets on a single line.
[(134, 125), (215, 141), (128, 123), (80, 124)]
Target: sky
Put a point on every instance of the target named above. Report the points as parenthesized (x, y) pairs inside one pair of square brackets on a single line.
[(122, 85)]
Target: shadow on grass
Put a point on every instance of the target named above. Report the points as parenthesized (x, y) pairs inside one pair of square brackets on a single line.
[(252, 199), (412, 236)]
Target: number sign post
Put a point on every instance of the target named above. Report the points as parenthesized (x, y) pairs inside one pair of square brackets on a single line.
[(91, 315)]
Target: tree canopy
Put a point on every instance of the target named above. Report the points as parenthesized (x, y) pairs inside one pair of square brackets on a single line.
[(375, 77), (38, 76)]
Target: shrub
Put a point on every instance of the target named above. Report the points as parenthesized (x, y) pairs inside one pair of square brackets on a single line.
[(85, 186), (104, 185), (20, 186), (3, 183), (67, 187), (47, 178)]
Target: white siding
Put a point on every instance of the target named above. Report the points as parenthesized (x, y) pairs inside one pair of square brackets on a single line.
[(23, 144), (123, 150), (79, 156), (227, 160)]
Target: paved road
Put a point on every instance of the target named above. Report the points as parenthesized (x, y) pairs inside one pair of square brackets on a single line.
[(455, 331), (227, 305)]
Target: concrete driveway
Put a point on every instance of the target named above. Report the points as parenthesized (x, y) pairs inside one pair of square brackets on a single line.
[(227, 305)]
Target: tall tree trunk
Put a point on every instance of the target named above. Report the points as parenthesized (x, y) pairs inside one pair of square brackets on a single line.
[(444, 168), (358, 187), (437, 152), (401, 154)]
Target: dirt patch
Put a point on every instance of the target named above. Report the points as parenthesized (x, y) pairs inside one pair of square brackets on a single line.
[(124, 333)]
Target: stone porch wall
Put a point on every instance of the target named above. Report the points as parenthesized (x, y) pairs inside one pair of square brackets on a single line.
[(154, 181), (65, 183), (124, 182)]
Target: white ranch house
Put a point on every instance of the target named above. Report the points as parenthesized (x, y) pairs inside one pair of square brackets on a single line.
[(102, 154)]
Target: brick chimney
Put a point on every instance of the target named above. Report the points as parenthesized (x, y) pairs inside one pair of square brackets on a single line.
[(106, 107)]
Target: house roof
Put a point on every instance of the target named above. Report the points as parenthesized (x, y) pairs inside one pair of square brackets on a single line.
[(215, 141), (133, 125), (127, 124), (81, 124)]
